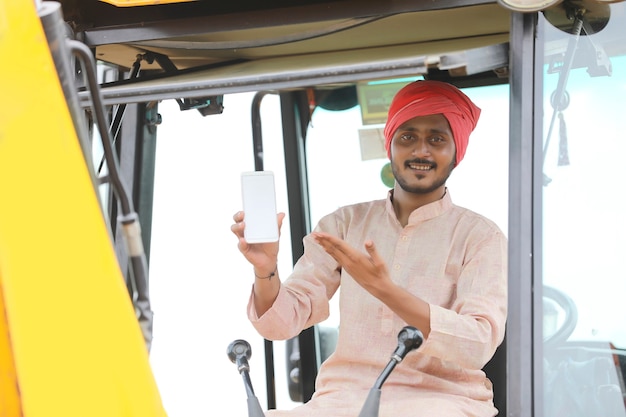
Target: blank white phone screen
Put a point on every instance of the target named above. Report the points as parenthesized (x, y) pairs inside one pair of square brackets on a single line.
[(259, 206)]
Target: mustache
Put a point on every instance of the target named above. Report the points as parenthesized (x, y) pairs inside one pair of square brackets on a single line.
[(420, 161)]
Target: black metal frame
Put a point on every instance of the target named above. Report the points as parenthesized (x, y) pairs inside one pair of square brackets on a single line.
[(522, 209), (136, 148), (517, 397), (295, 118)]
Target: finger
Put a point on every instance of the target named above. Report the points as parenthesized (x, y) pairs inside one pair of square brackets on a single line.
[(280, 217), (373, 253), (337, 246), (238, 217), (343, 253), (326, 243), (326, 238), (237, 229), (242, 245)]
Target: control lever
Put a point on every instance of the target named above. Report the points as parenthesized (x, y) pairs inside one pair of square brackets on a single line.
[(239, 351), (409, 338)]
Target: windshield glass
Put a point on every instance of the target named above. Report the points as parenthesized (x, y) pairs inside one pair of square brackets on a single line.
[(583, 222)]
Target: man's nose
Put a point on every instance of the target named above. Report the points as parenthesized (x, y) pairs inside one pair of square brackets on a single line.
[(421, 147)]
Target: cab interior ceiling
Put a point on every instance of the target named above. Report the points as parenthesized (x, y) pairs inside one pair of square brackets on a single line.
[(247, 46)]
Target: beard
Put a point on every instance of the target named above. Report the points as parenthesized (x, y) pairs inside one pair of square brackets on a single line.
[(439, 181)]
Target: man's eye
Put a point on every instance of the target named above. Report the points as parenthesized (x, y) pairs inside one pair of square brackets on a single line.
[(406, 137), (436, 139)]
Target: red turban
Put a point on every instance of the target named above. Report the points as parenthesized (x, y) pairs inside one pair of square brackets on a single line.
[(423, 98)]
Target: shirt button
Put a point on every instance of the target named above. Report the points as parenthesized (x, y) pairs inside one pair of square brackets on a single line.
[(396, 267), (405, 238)]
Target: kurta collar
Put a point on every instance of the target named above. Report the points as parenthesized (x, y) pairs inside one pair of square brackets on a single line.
[(427, 212)]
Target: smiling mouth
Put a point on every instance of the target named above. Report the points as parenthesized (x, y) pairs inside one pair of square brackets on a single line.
[(420, 167)]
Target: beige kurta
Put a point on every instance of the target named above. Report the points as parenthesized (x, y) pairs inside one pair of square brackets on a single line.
[(449, 256)]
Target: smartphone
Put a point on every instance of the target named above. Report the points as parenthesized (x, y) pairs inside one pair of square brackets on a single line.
[(259, 206)]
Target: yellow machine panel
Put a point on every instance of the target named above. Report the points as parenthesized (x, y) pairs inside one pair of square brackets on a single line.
[(69, 337)]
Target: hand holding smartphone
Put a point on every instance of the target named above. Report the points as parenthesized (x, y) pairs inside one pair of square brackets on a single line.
[(259, 207)]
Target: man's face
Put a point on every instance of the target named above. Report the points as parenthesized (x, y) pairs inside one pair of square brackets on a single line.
[(423, 154)]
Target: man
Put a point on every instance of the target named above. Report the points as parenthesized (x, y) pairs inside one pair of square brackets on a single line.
[(412, 259)]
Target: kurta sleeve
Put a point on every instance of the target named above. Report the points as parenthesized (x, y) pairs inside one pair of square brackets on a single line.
[(470, 331), (303, 298)]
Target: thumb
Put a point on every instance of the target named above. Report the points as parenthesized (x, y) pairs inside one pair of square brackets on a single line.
[(280, 217), (369, 247), (373, 253)]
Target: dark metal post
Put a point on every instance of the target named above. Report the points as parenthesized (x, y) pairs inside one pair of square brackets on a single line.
[(294, 109), (519, 346), (257, 143)]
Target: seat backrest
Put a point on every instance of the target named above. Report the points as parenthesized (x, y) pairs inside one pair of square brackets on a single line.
[(496, 372)]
